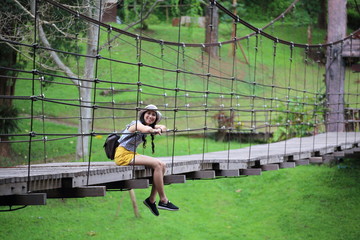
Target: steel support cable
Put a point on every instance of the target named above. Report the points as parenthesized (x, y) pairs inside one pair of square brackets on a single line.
[(175, 130), (315, 81), (78, 86), (249, 66), (79, 83), (59, 118), (302, 113), (164, 94), (187, 105), (347, 121), (58, 100), (232, 112), (181, 69), (163, 60), (209, 55), (260, 31), (231, 79), (33, 93), (317, 98), (34, 134), (17, 78), (259, 84), (288, 112), (271, 23), (11, 209), (96, 104), (311, 62), (144, 65), (280, 16), (357, 123), (85, 87), (37, 140), (341, 99), (15, 43), (236, 18), (44, 48), (43, 119), (138, 40), (17, 70), (169, 70), (72, 135), (113, 60), (252, 99), (86, 81), (111, 79), (204, 108), (98, 56), (99, 12), (296, 97), (328, 51), (273, 92), (220, 75), (222, 98)]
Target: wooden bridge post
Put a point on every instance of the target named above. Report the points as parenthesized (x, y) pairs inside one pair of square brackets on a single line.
[(335, 67), (134, 203)]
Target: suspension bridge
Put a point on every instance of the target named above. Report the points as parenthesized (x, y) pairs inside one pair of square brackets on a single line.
[(74, 179), (196, 93)]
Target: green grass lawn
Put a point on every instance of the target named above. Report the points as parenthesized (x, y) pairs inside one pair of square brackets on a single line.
[(306, 202)]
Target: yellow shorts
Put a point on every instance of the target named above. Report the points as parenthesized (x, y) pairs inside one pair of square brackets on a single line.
[(123, 156)]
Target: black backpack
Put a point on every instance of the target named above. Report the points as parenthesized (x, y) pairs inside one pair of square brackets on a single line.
[(110, 145), (112, 142)]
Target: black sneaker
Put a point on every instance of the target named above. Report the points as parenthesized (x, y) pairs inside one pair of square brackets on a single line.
[(167, 206), (151, 206)]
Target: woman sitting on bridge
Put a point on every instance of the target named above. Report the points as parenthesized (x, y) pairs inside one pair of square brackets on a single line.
[(125, 154)]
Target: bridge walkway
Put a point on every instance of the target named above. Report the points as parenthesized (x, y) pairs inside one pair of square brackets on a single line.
[(79, 179)]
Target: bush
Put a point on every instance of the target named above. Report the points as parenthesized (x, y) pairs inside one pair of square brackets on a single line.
[(353, 18), (297, 119)]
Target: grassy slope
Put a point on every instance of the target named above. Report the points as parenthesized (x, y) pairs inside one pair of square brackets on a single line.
[(307, 202)]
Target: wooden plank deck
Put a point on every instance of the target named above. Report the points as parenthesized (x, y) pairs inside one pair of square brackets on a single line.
[(247, 161)]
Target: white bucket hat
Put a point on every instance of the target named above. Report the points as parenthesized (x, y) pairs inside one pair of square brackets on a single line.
[(153, 108)]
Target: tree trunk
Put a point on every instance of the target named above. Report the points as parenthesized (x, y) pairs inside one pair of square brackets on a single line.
[(335, 67), (7, 87), (309, 34), (322, 15), (7, 84), (82, 147), (212, 26)]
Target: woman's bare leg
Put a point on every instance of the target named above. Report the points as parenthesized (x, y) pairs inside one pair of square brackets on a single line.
[(158, 175)]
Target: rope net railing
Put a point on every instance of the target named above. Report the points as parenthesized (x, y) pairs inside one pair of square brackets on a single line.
[(258, 88)]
